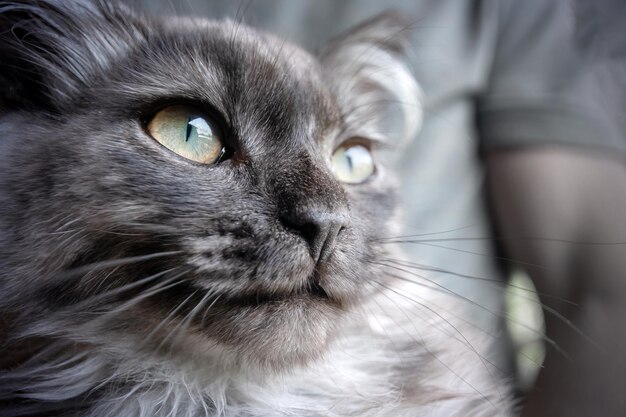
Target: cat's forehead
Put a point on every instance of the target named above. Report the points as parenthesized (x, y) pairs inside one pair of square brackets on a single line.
[(242, 40), (252, 78), (105, 63)]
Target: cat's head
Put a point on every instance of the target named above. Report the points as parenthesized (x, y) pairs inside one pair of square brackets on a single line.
[(192, 188)]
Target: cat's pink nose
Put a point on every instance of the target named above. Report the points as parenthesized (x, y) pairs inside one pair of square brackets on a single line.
[(320, 229)]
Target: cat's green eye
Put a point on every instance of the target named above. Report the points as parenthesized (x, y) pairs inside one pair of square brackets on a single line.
[(187, 132), (353, 163)]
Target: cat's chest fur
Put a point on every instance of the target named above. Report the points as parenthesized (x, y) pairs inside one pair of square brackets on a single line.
[(194, 220), (382, 364)]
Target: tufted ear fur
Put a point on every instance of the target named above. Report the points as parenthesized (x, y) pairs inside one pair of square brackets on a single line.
[(53, 49), (368, 69)]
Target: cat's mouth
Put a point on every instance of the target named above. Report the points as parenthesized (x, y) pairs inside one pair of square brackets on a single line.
[(312, 293), (318, 291)]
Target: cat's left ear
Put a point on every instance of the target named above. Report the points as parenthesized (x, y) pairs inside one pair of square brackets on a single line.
[(368, 70), (52, 50)]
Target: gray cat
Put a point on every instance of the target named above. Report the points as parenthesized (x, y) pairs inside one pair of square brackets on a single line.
[(192, 223)]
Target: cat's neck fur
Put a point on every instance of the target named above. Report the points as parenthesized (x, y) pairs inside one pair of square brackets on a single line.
[(380, 366)]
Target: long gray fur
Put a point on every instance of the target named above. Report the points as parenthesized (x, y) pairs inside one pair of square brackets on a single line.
[(136, 283)]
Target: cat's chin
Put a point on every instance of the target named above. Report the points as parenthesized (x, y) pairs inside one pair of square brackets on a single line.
[(275, 333)]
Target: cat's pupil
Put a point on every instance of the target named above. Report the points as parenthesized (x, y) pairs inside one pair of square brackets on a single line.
[(197, 128), (350, 161), (189, 130)]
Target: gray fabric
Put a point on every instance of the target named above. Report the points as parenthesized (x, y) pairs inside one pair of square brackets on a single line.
[(494, 73)]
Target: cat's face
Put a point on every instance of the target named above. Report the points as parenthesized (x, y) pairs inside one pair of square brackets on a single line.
[(253, 244)]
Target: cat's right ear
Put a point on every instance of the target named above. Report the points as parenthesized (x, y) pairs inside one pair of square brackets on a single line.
[(368, 70), (52, 49)]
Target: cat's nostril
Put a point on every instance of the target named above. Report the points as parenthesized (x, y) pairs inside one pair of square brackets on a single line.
[(320, 230), (309, 231)]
